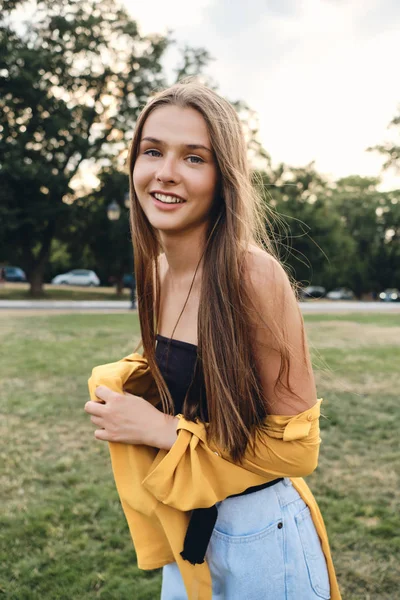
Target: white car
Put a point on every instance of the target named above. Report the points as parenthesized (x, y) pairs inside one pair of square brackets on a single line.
[(390, 295), (340, 294), (77, 277)]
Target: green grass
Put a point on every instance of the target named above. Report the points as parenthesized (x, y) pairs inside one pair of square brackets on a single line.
[(382, 319), (63, 533), (20, 291)]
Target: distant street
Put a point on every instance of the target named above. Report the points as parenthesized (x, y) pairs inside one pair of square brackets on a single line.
[(345, 307), (65, 306)]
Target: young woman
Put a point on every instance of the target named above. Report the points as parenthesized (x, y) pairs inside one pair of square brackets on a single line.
[(224, 338)]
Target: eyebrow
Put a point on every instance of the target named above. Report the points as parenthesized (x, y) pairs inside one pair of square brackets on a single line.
[(188, 146)]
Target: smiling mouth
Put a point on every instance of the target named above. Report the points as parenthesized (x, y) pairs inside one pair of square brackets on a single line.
[(167, 199)]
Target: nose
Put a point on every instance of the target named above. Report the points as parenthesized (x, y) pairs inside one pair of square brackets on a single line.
[(167, 171)]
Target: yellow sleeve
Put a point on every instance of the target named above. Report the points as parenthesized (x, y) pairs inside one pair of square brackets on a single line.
[(195, 474), (130, 374), (130, 464)]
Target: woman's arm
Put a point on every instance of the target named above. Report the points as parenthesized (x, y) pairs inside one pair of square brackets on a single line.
[(277, 320)]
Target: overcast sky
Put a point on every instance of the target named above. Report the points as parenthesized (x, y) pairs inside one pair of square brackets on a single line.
[(323, 75)]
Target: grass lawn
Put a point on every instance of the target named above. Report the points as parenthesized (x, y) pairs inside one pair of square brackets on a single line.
[(20, 291), (63, 533)]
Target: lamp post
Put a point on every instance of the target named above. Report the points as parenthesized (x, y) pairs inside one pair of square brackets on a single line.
[(113, 211), (113, 214)]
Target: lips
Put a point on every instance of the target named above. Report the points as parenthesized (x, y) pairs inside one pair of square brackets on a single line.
[(165, 198)]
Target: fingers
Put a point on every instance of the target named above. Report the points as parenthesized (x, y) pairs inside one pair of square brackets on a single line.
[(98, 410), (101, 412), (104, 393), (94, 408), (101, 434)]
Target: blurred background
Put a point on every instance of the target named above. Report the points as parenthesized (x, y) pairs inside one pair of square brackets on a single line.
[(316, 85)]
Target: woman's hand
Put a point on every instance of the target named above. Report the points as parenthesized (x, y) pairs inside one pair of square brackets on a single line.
[(129, 419)]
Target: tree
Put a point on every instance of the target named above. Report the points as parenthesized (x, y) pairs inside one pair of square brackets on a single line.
[(344, 233), (387, 259), (92, 234), (387, 255), (71, 87), (372, 218), (391, 150), (310, 236)]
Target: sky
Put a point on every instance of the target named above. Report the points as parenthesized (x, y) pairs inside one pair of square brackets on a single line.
[(323, 75)]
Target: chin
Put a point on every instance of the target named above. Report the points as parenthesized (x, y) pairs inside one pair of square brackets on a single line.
[(170, 224), (166, 225)]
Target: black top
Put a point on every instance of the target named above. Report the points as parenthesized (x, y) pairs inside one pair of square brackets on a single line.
[(180, 367), (176, 361)]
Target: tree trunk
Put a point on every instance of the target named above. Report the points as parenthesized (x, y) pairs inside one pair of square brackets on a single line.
[(36, 281)]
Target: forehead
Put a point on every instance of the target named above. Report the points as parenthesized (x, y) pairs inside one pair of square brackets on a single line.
[(174, 124)]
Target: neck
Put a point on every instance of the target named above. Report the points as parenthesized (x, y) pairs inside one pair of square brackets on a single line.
[(183, 252)]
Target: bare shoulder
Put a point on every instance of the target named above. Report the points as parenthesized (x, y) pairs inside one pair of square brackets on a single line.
[(267, 280), (280, 344)]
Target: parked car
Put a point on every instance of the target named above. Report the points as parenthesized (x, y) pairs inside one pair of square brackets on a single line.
[(390, 295), (77, 277), (340, 294), (12, 274), (313, 291)]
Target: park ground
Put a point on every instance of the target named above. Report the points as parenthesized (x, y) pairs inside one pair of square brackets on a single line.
[(20, 291), (63, 533)]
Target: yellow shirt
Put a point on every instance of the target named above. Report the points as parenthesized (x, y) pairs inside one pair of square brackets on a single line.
[(159, 488)]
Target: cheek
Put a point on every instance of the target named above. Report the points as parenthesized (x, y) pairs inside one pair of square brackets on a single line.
[(141, 176), (139, 186), (207, 185)]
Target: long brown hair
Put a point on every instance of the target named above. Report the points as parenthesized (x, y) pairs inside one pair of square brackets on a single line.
[(226, 360)]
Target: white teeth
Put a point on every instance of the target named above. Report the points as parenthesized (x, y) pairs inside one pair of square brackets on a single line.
[(168, 199)]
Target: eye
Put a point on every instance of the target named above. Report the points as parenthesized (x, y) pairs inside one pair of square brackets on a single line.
[(195, 160), (154, 153)]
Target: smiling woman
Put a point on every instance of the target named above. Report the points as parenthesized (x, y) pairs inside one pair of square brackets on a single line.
[(174, 176), (219, 419)]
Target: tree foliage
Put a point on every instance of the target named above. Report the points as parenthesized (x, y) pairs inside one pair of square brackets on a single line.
[(310, 236), (335, 234), (107, 244), (71, 87), (391, 149), (72, 82)]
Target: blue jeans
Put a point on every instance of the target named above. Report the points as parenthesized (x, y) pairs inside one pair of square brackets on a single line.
[(264, 547)]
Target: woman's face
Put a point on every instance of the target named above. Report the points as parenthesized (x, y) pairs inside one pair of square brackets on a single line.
[(175, 173)]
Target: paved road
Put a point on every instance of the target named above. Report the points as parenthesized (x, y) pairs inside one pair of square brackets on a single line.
[(346, 307), (39, 306)]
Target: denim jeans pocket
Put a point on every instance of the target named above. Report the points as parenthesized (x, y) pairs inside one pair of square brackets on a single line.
[(313, 554), (247, 538), (245, 566)]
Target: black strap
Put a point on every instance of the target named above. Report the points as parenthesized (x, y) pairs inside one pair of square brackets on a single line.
[(257, 488), (201, 525)]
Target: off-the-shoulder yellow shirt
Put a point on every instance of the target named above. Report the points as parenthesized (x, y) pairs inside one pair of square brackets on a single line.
[(159, 488)]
